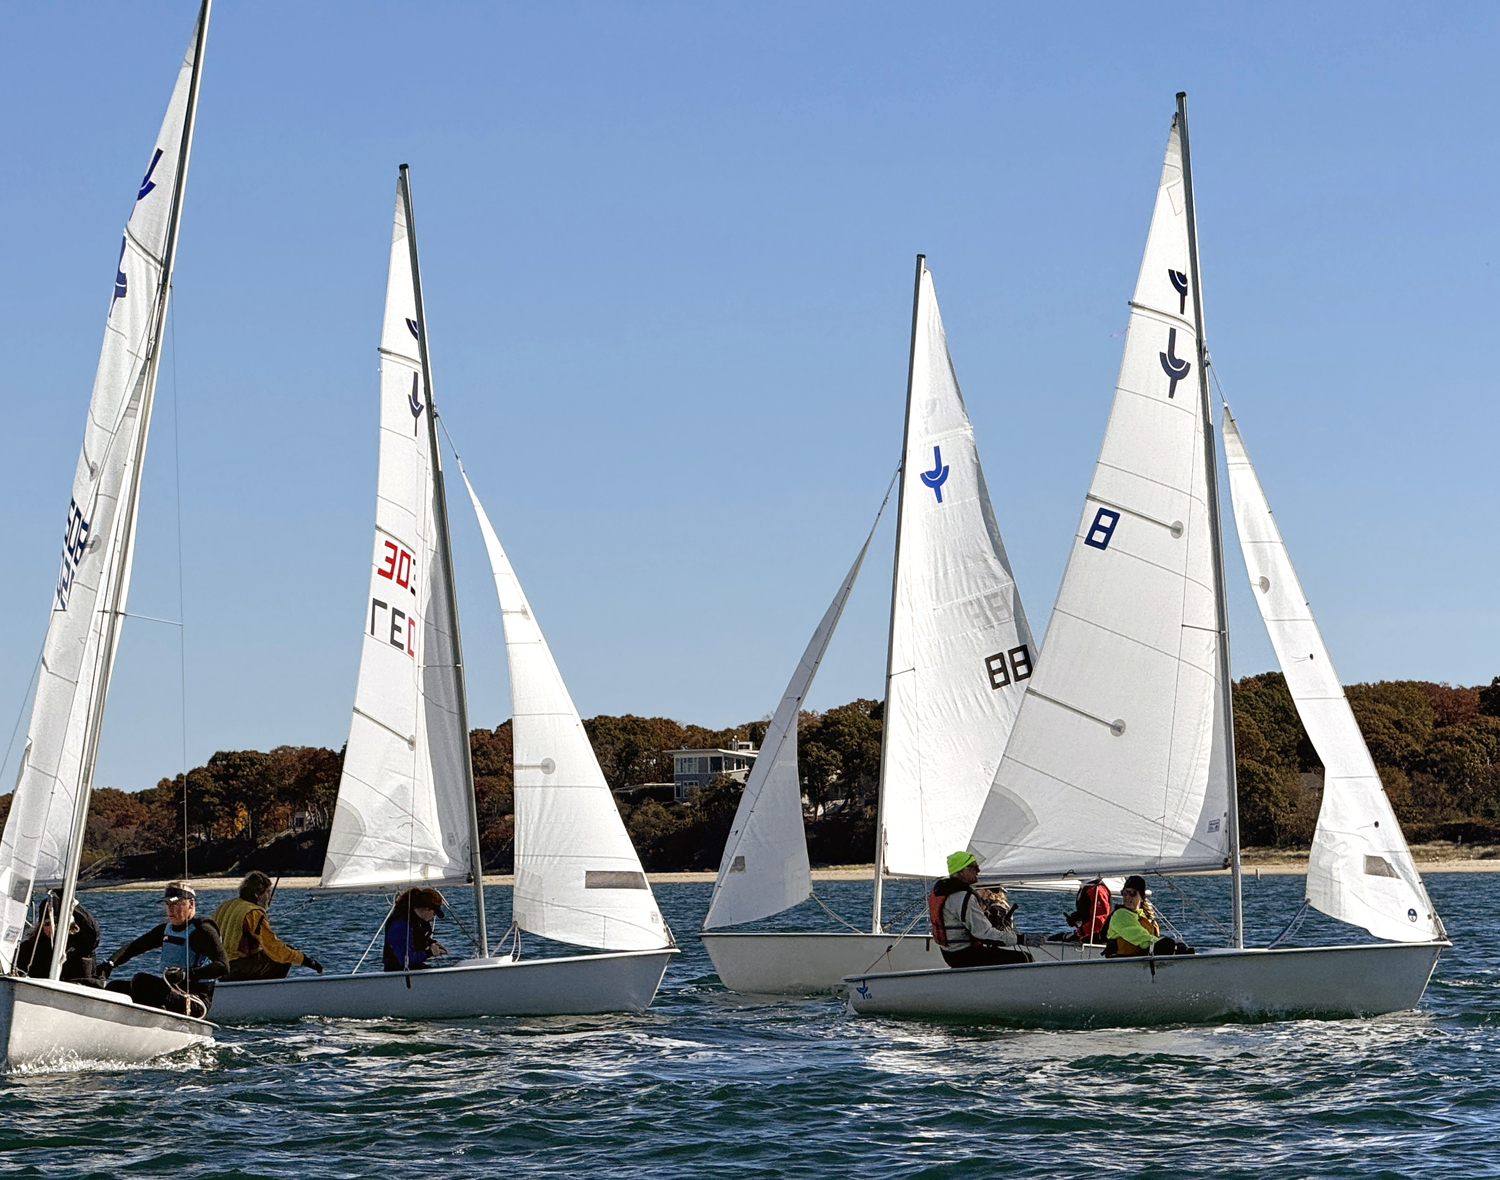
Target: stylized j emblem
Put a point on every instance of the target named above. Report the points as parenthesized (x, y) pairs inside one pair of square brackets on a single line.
[(147, 184), (416, 403), (121, 283), (938, 476), (1179, 284), (1171, 366)]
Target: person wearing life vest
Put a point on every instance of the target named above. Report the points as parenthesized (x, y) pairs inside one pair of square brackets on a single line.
[(192, 958), (254, 950), (1133, 929), (1090, 916), (960, 926), (34, 955)]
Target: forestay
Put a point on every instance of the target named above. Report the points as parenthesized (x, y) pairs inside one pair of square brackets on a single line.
[(1360, 869), (401, 815), (93, 582), (960, 649), (578, 878), (765, 868), (1117, 762)]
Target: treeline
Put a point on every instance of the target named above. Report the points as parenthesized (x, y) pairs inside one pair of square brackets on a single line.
[(1437, 749)]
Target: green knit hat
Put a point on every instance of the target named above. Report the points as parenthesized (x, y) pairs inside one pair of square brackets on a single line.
[(958, 861)]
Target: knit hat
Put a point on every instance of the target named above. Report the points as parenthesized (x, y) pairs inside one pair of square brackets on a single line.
[(958, 861)]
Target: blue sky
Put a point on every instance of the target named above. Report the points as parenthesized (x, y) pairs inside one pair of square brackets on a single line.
[(667, 252)]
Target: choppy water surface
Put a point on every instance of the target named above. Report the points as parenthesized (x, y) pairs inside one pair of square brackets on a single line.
[(707, 1083)]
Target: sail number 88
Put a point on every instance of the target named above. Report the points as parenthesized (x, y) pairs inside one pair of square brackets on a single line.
[(1007, 667)]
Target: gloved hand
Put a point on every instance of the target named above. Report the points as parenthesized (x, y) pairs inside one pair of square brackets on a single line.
[(105, 968), (177, 977), (309, 961)]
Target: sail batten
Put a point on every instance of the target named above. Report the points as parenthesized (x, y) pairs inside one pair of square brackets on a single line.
[(1118, 758), (43, 830), (578, 877), (1360, 869)]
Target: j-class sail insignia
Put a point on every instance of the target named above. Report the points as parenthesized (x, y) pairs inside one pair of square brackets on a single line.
[(43, 1017), (407, 814), (1122, 756)]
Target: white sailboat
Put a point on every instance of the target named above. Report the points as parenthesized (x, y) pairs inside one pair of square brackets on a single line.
[(45, 1020), (406, 809), (1122, 758), (960, 654)]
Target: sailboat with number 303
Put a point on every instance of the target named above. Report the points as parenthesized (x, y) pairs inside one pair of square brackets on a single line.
[(1122, 756), (406, 813), (42, 1018)]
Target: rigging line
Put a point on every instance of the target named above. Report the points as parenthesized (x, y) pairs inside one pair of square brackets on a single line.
[(378, 931), (181, 602), (125, 614), (1203, 913), (1293, 926), (21, 712), (839, 918)]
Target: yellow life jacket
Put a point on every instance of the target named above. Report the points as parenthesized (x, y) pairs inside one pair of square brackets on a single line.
[(230, 919)]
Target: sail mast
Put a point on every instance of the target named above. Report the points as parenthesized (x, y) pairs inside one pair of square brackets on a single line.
[(445, 546), (890, 646), (1221, 602), (119, 584)]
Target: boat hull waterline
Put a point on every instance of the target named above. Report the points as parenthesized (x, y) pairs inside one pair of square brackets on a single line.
[(573, 985), (1215, 985), (47, 1023), (807, 963)]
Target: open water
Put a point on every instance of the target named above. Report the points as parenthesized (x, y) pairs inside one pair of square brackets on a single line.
[(710, 1084)]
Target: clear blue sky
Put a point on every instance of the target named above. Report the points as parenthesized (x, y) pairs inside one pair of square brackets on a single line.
[(667, 251)]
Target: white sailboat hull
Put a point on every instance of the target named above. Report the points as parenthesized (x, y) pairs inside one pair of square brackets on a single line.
[(576, 985), (1216, 985), (43, 1023), (813, 963)]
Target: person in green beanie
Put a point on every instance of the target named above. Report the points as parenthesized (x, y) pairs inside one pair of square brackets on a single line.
[(960, 927)]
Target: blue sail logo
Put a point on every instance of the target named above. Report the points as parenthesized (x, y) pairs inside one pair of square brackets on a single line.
[(147, 184), (938, 476), (415, 401), (1171, 365), (411, 326), (121, 283), (1179, 284)]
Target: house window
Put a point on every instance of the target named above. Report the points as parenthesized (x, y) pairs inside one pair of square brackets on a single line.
[(716, 764)]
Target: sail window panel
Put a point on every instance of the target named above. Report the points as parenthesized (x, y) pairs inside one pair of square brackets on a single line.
[(614, 879)]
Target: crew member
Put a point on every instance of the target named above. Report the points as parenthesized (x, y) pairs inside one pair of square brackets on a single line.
[(34, 955), (960, 927), (192, 958), (253, 948), (408, 931), (1090, 916)]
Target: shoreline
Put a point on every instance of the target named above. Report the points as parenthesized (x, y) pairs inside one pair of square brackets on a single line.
[(1254, 864)]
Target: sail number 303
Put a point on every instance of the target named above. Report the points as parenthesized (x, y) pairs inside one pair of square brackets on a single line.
[(395, 565), (1008, 667)]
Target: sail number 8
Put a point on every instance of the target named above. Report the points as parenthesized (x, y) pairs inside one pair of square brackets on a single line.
[(1006, 667)]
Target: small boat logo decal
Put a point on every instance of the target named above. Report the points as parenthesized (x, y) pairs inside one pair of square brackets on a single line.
[(1171, 365), (938, 476), (147, 184), (415, 402), (863, 989), (121, 283), (1179, 284)]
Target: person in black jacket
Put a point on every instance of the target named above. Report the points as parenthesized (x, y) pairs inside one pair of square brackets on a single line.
[(192, 957), (34, 955)]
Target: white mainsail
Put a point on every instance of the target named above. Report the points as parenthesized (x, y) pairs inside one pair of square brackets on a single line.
[(89, 602), (402, 815), (765, 868), (1360, 869), (1117, 761), (961, 652), (578, 877)]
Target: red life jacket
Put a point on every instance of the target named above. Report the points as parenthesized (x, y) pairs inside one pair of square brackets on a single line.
[(1093, 909)]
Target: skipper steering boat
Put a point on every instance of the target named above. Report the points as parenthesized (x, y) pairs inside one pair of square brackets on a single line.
[(1122, 755), (45, 1019), (406, 814)]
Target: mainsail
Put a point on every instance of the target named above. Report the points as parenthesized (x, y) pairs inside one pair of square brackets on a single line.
[(578, 877), (1360, 869), (961, 652), (1118, 759), (43, 832), (403, 813), (765, 868)]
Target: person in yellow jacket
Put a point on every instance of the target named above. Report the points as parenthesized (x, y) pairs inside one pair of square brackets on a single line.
[(1133, 929), (254, 950)]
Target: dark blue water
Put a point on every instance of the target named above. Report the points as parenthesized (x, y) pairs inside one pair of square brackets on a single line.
[(710, 1084)]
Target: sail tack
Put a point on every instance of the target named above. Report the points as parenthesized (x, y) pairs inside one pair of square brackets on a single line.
[(578, 877), (1360, 869), (961, 651), (93, 583), (765, 868), (402, 815), (1117, 762)]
